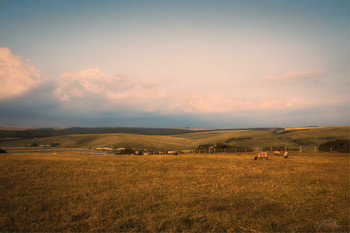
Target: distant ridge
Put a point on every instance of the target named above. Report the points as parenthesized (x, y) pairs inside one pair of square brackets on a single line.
[(15, 128), (22, 132), (28, 132), (51, 132)]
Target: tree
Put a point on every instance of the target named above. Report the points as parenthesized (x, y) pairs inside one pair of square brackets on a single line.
[(337, 145)]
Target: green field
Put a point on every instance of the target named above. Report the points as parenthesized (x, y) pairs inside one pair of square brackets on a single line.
[(308, 138), (82, 192)]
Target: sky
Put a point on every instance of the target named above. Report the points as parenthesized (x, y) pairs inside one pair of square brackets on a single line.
[(197, 64)]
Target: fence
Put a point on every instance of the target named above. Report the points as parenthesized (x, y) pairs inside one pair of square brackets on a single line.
[(244, 149), (232, 149)]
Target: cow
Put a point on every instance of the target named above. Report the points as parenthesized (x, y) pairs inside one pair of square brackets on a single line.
[(286, 154), (262, 155), (277, 153), (138, 152)]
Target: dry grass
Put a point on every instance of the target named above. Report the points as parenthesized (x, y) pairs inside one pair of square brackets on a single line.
[(202, 193)]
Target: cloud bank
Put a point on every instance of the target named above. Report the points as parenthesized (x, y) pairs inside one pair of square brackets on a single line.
[(17, 76), (93, 90), (91, 97)]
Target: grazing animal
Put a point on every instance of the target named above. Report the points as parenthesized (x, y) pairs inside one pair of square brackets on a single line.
[(277, 153), (262, 155), (286, 154), (138, 152)]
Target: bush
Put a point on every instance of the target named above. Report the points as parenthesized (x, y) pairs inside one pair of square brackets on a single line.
[(127, 151), (205, 146), (337, 145), (222, 147), (55, 144), (34, 145), (2, 151)]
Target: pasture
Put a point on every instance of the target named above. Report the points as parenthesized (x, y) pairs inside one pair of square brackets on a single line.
[(84, 192)]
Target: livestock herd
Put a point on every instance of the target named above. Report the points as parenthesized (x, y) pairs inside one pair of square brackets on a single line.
[(264, 155), (259, 156)]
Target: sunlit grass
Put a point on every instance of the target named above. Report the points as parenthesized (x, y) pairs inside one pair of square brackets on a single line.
[(222, 192)]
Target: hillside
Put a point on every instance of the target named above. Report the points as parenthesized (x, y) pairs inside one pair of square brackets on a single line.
[(308, 138), (14, 132)]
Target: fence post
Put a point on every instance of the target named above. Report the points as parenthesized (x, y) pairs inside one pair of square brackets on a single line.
[(300, 149), (315, 149), (245, 149)]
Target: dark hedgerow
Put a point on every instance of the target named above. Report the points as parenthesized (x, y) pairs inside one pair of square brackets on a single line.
[(127, 151), (222, 147), (55, 144), (2, 151), (337, 145)]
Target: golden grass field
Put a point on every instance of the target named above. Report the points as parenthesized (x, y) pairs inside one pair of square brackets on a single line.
[(82, 192)]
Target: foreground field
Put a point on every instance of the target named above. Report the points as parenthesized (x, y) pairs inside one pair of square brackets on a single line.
[(64, 192)]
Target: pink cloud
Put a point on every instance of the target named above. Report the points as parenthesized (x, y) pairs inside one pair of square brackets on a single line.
[(17, 76), (295, 75), (111, 92), (93, 89), (222, 104), (87, 83), (286, 103), (213, 104)]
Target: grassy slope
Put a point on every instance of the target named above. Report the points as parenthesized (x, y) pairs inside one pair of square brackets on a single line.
[(63, 192), (307, 137)]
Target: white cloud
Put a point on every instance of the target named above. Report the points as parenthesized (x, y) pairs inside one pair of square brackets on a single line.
[(17, 76), (89, 82), (93, 89)]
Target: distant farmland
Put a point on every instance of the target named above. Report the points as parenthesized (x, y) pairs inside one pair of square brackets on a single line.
[(163, 139)]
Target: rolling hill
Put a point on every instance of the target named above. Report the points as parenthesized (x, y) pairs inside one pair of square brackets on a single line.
[(163, 139)]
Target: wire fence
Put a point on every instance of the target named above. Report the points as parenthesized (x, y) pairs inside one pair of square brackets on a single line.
[(231, 149), (243, 149)]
